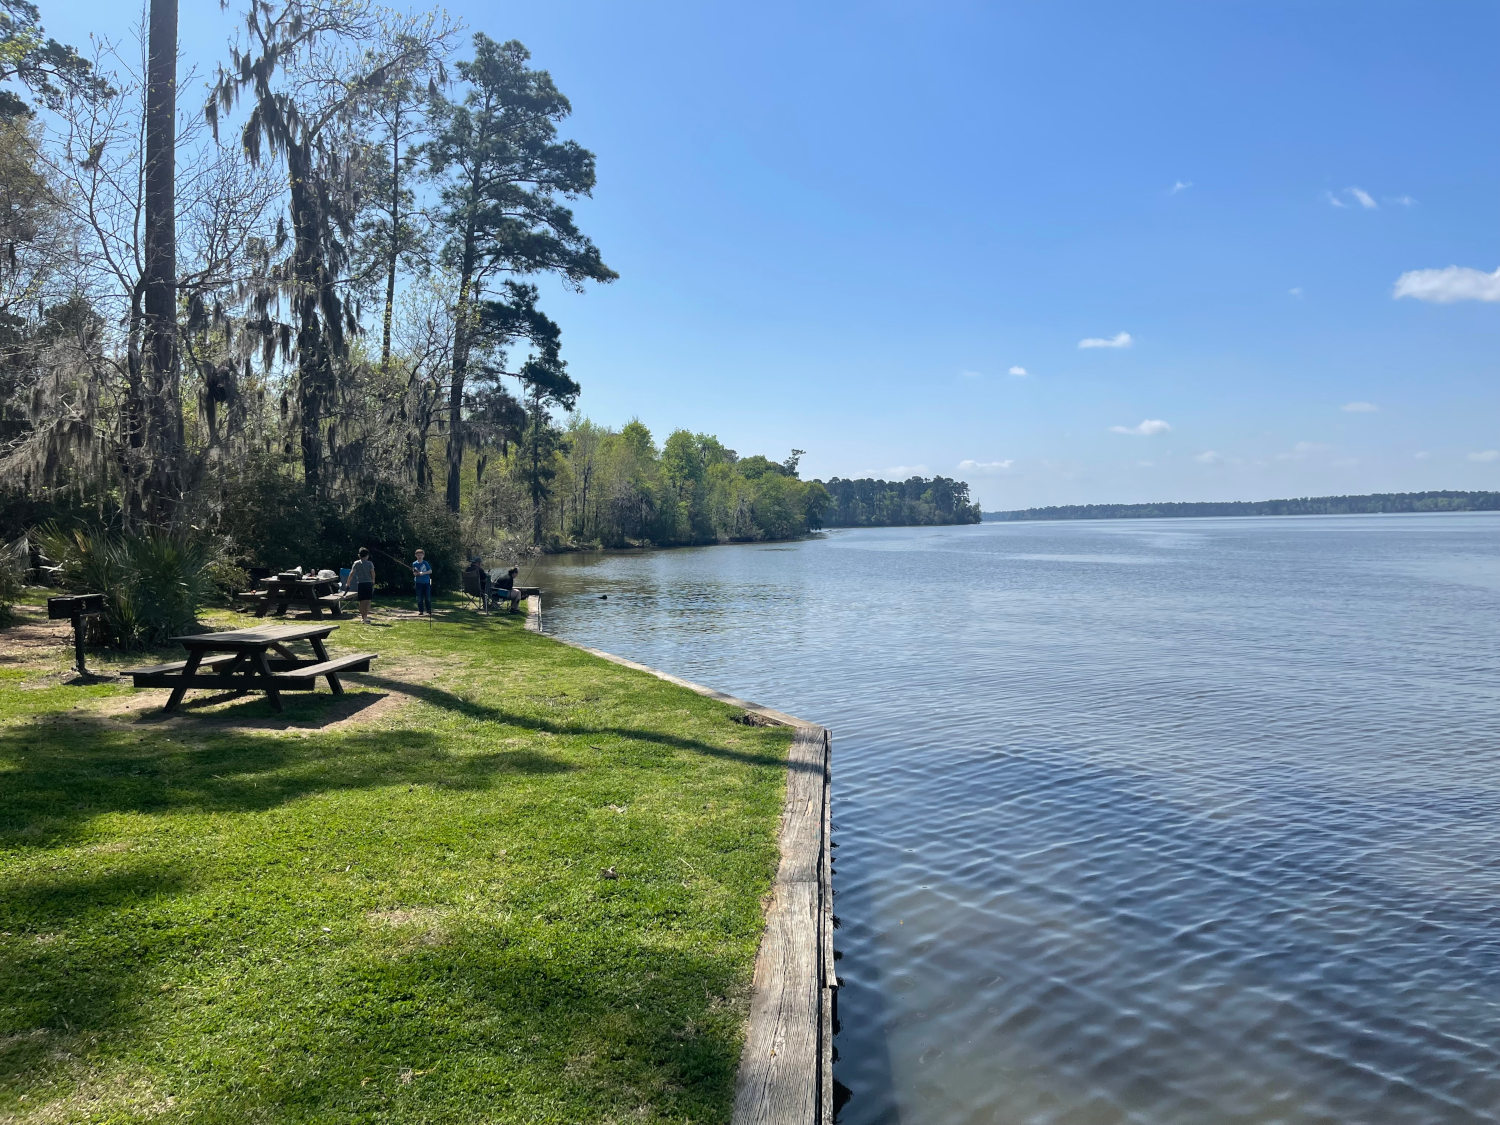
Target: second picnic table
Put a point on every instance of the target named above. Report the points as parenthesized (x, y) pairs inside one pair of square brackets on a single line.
[(286, 590), (238, 661)]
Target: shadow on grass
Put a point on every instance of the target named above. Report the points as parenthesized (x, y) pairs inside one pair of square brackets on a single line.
[(472, 709), (312, 710), (486, 1025), (54, 985), (71, 768)]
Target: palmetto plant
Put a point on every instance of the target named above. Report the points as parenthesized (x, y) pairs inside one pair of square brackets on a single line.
[(153, 582)]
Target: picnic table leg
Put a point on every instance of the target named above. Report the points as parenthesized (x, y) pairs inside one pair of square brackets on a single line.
[(195, 657), (321, 652), (265, 604), (265, 670), (315, 607)]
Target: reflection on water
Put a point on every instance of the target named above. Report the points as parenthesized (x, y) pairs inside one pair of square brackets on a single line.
[(1207, 837)]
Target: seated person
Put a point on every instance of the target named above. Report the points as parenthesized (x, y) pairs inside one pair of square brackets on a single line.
[(505, 589), (482, 576)]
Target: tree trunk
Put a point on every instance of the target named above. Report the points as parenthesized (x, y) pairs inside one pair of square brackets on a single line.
[(395, 247), (456, 389), (163, 379), (314, 375)]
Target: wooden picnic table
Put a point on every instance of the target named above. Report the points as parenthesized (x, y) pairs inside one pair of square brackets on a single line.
[(238, 661), (309, 592)]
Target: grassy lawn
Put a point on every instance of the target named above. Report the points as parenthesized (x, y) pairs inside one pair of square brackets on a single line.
[(392, 907)]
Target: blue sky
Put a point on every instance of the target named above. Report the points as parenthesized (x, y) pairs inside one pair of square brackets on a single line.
[(841, 228)]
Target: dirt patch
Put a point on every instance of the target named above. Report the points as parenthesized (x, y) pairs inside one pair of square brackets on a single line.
[(418, 926), (32, 639)]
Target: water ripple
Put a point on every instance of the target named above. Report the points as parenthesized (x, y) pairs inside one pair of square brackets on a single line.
[(1204, 833)]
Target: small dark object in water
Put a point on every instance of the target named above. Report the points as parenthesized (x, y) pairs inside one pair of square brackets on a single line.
[(604, 597)]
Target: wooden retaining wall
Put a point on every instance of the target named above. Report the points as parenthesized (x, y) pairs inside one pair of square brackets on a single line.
[(786, 1068)]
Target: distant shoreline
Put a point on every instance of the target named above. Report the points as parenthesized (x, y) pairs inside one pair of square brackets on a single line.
[(1377, 503)]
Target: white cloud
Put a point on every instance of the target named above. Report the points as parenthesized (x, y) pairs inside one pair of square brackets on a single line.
[(1181, 185), (1359, 408), (1145, 429), (1401, 200), (971, 374), (1334, 200), (971, 466), (1486, 455), (1422, 455), (1119, 340), (1454, 283), (1302, 450), (1018, 370), (1362, 197), (901, 472), (1294, 291), (1208, 457)]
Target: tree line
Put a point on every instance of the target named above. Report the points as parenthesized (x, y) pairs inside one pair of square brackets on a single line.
[(916, 501), (1376, 503)]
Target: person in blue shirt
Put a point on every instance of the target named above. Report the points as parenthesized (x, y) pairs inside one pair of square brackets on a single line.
[(421, 572)]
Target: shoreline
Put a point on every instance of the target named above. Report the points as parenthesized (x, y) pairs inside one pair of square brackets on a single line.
[(786, 1066)]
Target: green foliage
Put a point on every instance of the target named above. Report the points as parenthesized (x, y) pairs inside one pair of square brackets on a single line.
[(1377, 503), (49, 70), (273, 521), (153, 583), (15, 557), (615, 488), (915, 502)]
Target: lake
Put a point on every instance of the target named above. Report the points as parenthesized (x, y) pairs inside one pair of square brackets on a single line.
[(1152, 821)]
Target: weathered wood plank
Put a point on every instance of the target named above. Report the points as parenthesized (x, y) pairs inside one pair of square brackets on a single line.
[(777, 1080), (179, 665), (830, 974)]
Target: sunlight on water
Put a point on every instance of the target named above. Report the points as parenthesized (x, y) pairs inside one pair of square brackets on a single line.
[(1136, 821)]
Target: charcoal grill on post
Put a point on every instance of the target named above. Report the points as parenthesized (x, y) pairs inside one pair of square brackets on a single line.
[(76, 607)]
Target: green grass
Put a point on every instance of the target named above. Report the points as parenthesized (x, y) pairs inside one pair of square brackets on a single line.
[(390, 907)]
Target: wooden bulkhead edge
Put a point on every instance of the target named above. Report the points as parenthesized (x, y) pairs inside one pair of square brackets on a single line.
[(786, 1067)]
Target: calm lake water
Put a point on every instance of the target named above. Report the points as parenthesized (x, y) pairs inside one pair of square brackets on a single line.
[(1147, 821)]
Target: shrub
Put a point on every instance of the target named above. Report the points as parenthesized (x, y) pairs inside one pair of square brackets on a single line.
[(14, 560), (273, 522), (153, 582)]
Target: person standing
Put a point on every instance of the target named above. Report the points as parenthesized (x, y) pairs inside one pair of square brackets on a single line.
[(421, 573), (362, 578)]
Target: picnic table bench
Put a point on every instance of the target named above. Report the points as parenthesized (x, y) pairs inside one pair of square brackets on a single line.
[(238, 661), (284, 591)]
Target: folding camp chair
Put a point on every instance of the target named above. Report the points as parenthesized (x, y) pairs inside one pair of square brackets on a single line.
[(474, 588)]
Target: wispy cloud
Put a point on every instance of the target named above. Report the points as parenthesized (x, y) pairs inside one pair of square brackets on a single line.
[(1145, 429), (1303, 450), (1208, 457), (1118, 340), (971, 466), (901, 472), (1362, 197), (1452, 283), (1485, 455), (1018, 370), (1333, 200), (972, 374), (1401, 200), (1295, 291), (1180, 186), (1421, 455), (1359, 408)]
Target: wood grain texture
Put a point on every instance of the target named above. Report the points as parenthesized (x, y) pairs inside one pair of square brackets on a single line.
[(786, 1068)]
